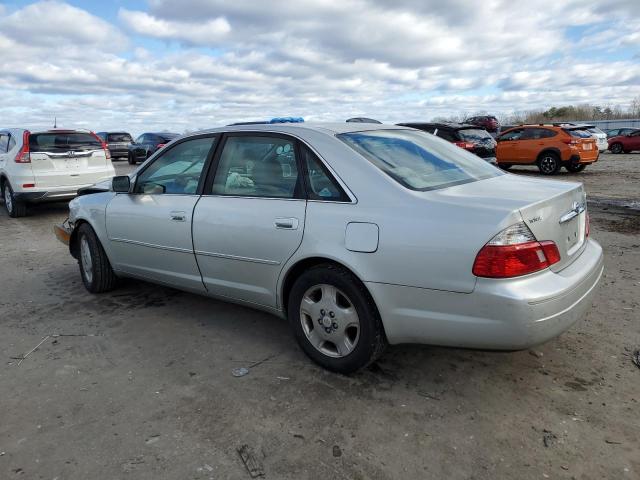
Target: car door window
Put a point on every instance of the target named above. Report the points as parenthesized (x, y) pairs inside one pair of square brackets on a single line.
[(512, 135), (257, 166), (12, 143), (446, 134), (536, 134), (321, 185), (178, 170), (4, 143)]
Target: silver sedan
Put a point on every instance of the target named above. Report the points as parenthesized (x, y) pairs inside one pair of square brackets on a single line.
[(359, 234)]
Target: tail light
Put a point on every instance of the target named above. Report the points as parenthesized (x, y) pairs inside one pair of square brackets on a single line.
[(104, 145), (24, 156), (465, 145), (570, 141), (160, 145), (514, 252), (587, 226)]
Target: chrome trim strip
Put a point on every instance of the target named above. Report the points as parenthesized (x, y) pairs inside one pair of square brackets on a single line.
[(152, 245), (577, 210), (236, 257)]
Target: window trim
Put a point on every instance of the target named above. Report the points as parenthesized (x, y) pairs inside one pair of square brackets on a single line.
[(344, 196), (166, 150)]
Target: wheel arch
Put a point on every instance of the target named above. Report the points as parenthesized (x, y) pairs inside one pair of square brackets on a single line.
[(294, 271), (553, 150)]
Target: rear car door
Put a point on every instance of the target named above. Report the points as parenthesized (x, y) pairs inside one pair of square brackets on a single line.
[(67, 158), (250, 219), (149, 229)]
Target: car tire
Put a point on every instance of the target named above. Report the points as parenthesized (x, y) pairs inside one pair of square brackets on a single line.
[(616, 148), (14, 207), (505, 166), (131, 159), (549, 163), (95, 268), (335, 320), (575, 167)]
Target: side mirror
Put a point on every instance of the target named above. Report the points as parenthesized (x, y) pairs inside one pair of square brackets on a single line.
[(121, 184)]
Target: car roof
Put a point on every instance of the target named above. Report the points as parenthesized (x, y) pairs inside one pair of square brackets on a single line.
[(326, 128), (453, 125)]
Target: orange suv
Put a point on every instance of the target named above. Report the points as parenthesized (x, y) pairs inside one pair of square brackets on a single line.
[(550, 147)]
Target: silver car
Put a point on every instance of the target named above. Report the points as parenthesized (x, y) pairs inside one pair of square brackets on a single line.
[(359, 234)]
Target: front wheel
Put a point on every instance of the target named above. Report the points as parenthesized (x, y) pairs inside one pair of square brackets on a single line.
[(335, 320), (131, 159), (549, 163), (95, 269), (505, 166), (575, 167)]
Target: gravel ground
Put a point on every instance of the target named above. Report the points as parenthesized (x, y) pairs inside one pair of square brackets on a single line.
[(137, 383)]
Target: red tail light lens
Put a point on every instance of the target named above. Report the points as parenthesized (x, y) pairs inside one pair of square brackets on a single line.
[(507, 255), (104, 145), (160, 145), (23, 155), (465, 145)]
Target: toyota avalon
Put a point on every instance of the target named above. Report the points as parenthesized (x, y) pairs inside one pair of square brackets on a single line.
[(361, 235)]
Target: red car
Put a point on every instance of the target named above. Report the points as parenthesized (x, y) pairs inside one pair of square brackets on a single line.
[(625, 143), (488, 122)]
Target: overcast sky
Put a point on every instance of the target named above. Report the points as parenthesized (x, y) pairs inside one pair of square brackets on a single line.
[(190, 64)]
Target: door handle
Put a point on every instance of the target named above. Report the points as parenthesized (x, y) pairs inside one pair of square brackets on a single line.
[(286, 223), (178, 216)]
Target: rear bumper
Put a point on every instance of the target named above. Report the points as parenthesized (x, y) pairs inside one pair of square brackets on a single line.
[(584, 159), (49, 196), (119, 153), (508, 314)]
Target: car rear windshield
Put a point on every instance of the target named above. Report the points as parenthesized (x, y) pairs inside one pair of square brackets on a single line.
[(119, 137), (417, 160), (474, 135), (48, 142), (167, 137), (578, 133)]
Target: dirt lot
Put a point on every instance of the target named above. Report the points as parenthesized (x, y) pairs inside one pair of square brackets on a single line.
[(137, 383)]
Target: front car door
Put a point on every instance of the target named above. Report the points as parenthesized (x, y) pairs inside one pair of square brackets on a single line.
[(507, 148), (250, 219), (149, 229)]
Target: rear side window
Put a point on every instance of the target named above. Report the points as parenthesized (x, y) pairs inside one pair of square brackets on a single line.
[(416, 160), (321, 185), (4, 143), (52, 142), (119, 137), (445, 133), (166, 138)]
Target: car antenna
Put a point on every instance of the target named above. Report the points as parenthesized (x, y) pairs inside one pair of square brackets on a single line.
[(55, 122)]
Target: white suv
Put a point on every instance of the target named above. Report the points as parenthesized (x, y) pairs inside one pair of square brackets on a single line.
[(49, 165)]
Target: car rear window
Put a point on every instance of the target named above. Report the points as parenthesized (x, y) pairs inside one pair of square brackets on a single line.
[(47, 142), (119, 137), (579, 133), (417, 160), (167, 137), (474, 135)]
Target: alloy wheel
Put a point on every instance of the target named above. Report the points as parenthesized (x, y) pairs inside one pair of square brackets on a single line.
[(87, 263), (548, 164), (329, 320), (8, 200)]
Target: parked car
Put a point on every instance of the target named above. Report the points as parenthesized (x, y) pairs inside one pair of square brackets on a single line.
[(599, 135), (550, 147), (49, 165), (615, 132), (488, 122), (625, 143), (359, 234), (147, 144), (117, 142), (471, 138), (362, 120)]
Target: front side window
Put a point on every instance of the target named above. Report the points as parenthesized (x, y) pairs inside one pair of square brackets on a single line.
[(257, 166), (512, 135), (140, 139), (537, 133), (418, 161), (178, 170)]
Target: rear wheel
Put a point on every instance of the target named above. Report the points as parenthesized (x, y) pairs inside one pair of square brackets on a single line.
[(549, 163), (131, 159), (14, 207), (575, 167), (335, 320), (616, 148), (95, 269)]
